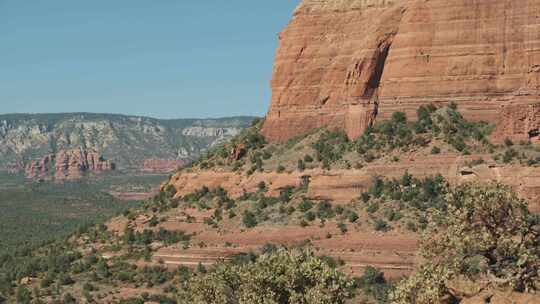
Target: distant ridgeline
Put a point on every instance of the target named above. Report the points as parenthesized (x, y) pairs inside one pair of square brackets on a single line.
[(69, 144)]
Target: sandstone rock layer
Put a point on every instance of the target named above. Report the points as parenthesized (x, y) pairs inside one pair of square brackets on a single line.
[(342, 186), (156, 165), (345, 63), (68, 165)]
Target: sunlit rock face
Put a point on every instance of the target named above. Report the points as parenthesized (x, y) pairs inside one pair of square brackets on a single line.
[(346, 63)]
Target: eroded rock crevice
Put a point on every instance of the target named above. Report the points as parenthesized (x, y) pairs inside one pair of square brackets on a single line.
[(363, 110), (374, 81)]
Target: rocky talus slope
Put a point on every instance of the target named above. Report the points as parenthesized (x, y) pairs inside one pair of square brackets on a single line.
[(131, 143), (347, 63)]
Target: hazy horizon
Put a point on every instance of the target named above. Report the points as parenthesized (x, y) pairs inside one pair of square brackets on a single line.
[(165, 60), (134, 115)]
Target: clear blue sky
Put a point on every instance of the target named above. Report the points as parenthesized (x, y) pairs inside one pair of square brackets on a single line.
[(161, 58)]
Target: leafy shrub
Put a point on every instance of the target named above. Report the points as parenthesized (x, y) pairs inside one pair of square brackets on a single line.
[(301, 166), (486, 226), (509, 155), (69, 299), (342, 227), (125, 276), (324, 210), (353, 217), (65, 279), (248, 219), (365, 197), (374, 284), (380, 225), (391, 215), (305, 205), (147, 236), (266, 155), (310, 216), (372, 208), (23, 295), (278, 277), (330, 146), (420, 194), (153, 221), (285, 194), (262, 186)]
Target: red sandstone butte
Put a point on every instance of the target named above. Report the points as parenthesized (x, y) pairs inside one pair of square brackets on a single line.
[(68, 165), (72, 164), (346, 63)]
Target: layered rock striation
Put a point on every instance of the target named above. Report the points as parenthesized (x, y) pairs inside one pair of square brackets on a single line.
[(156, 165), (343, 186), (346, 63)]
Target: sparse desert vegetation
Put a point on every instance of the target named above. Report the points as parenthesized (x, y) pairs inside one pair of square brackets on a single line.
[(434, 130), (467, 225)]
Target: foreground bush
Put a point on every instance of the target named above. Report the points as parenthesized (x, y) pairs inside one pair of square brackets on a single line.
[(487, 237), (280, 276)]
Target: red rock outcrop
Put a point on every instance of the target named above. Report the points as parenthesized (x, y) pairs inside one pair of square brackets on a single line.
[(156, 165), (39, 168), (72, 164), (238, 152), (68, 165), (519, 122), (345, 63)]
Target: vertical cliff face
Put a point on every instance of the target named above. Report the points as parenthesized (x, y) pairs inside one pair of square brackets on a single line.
[(346, 63)]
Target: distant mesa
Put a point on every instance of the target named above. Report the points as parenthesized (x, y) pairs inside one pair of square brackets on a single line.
[(134, 144)]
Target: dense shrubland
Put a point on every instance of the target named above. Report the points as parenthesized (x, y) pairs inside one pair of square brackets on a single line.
[(407, 200), (38, 213), (444, 123), (35, 217), (58, 270)]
